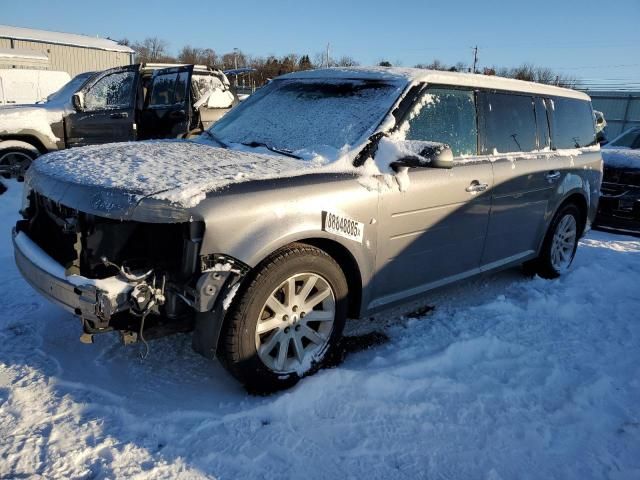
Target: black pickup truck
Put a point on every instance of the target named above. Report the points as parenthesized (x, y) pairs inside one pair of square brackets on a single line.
[(133, 102)]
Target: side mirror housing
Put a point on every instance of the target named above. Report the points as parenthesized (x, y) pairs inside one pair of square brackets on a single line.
[(78, 101), (439, 156)]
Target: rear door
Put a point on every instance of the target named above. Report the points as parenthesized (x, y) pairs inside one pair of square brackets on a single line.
[(167, 110), (109, 113), (514, 133)]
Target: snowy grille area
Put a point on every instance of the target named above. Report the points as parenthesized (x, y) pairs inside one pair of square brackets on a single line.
[(507, 378)]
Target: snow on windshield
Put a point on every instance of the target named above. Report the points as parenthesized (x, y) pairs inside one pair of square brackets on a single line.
[(311, 115)]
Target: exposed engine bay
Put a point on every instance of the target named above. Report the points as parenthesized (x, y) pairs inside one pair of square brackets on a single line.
[(148, 278)]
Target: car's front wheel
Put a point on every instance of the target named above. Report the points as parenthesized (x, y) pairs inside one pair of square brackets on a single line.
[(287, 320)]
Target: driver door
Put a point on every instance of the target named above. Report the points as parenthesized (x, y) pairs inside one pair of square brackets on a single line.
[(167, 110), (108, 110), (434, 232)]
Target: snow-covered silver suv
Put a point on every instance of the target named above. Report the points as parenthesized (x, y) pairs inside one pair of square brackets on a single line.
[(327, 195)]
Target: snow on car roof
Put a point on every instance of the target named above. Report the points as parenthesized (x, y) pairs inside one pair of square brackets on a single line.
[(420, 75), (73, 39)]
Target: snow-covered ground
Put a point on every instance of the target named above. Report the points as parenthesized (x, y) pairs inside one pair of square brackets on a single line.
[(507, 378)]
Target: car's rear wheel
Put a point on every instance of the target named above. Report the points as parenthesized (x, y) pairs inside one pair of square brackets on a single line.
[(560, 243), (287, 321), (15, 161)]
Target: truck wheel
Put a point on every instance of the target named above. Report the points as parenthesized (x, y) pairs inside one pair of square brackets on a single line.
[(560, 243), (14, 161), (286, 321)]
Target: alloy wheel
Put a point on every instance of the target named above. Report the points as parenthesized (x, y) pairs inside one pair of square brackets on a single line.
[(295, 323)]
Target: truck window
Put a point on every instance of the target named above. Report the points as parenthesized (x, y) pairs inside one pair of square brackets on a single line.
[(509, 123), (447, 116), (110, 92), (573, 124)]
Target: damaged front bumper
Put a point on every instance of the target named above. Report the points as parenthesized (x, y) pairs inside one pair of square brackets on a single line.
[(89, 299)]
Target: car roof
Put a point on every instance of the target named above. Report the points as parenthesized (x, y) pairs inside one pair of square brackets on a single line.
[(420, 75)]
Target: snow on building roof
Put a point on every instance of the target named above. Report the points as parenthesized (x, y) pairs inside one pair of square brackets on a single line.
[(60, 38), (418, 75)]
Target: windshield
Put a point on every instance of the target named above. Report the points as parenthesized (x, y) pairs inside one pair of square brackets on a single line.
[(68, 89), (311, 115), (629, 139)]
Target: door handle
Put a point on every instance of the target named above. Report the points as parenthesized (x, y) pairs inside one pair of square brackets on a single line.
[(553, 175), (476, 187), (119, 115)]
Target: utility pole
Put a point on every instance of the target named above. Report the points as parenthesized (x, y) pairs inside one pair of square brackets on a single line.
[(328, 45), (475, 58)]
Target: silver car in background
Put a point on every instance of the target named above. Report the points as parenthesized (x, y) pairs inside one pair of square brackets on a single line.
[(327, 195)]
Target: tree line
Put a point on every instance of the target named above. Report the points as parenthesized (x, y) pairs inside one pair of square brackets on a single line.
[(156, 50)]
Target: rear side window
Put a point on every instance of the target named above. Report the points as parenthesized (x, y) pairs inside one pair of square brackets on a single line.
[(573, 123), (447, 116), (509, 123)]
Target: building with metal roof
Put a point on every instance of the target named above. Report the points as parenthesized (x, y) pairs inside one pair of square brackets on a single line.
[(67, 52), (621, 109)]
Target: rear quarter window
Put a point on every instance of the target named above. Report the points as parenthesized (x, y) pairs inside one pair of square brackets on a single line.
[(573, 123), (509, 123)]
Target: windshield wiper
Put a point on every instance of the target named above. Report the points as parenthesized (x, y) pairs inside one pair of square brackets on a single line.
[(281, 151), (216, 139)]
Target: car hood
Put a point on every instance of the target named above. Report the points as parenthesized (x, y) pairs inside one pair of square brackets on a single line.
[(113, 180), (621, 158)]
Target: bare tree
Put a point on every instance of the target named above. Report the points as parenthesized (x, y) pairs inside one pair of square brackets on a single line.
[(152, 49), (346, 61)]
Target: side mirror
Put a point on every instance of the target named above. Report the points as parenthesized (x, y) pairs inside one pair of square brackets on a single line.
[(431, 155), (78, 101), (439, 156)]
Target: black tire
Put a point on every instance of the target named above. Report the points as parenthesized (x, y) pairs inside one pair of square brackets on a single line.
[(237, 347), (6, 160), (544, 264)]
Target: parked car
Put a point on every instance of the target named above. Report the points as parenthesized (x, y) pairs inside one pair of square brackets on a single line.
[(619, 208), (326, 195), (128, 103), (18, 86)]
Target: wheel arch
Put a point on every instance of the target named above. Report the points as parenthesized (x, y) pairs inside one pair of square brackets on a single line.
[(349, 266), (28, 142)]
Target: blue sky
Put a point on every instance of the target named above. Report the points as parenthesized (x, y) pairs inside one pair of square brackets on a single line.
[(583, 38)]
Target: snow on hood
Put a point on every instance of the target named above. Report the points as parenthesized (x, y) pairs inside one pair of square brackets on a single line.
[(178, 171), (16, 118), (621, 157)]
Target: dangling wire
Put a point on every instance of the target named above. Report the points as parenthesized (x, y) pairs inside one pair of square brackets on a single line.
[(144, 354)]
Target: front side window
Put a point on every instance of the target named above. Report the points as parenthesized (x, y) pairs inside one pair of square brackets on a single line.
[(573, 125), (111, 91), (446, 116), (509, 123)]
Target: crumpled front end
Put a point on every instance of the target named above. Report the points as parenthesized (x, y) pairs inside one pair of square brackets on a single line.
[(138, 278)]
